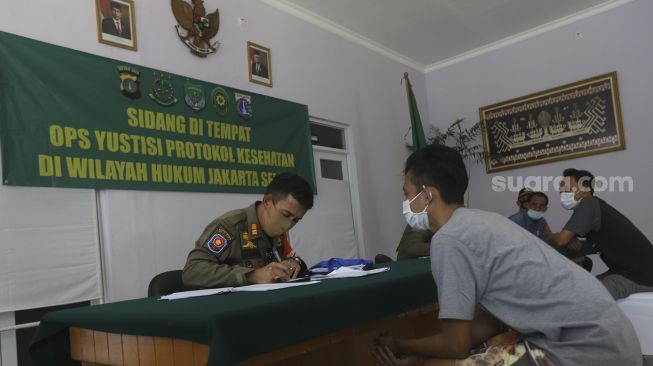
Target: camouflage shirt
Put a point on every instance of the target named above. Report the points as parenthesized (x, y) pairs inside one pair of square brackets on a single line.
[(231, 246)]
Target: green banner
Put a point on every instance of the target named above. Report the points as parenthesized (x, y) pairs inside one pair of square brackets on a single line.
[(71, 119)]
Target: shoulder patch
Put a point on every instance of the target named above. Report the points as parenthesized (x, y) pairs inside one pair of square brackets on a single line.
[(217, 243)]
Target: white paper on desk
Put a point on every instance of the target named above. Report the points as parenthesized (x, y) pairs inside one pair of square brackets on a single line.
[(347, 272), (273, 286), (197, 293), (224, 290)]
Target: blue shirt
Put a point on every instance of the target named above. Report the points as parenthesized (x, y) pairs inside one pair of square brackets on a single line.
[(538, 228), (535, 227)]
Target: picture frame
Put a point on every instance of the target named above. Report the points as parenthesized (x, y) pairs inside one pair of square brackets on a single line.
[(116, 24), (569, 121), (259, 64)]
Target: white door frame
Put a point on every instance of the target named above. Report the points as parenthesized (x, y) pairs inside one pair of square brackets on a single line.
[(350, 156)]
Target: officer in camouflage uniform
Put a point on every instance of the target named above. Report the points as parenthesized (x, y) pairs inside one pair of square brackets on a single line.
[(250, 245)]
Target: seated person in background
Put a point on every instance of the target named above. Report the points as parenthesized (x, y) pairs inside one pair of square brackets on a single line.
[(414, 243), (490, 275), (532, 218), (250, 245), (534, 222), (624, 249)]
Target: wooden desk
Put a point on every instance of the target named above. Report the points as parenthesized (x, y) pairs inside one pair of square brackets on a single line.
[(351, 346), (334, 318)]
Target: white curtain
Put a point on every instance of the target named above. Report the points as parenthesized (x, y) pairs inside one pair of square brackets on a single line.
[(48, 247)]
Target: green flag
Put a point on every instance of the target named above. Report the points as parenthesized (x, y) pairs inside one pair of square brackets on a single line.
[(419, 141)]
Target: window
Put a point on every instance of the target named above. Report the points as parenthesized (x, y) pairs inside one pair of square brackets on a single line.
[(328, 136), (331, 169)]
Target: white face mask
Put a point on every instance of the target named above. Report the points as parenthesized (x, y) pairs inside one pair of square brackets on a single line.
[(568, 201), (535, 215), (416, 220)]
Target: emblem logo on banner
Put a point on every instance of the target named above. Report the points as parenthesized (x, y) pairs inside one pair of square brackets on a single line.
[(244, 106), (220, 101), (130, 86), (194, 96), (162, 90)]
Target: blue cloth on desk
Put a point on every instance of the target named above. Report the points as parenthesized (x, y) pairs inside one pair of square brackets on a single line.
[(335, 263)]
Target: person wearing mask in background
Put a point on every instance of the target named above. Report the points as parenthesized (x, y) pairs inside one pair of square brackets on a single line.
[(534, 222), (250, 245), (490, 275), (531, 217), (622, 246)]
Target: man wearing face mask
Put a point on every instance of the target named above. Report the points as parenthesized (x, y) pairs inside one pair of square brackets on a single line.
[(491, 274), (250, 245), (624, 249), (532, 218)]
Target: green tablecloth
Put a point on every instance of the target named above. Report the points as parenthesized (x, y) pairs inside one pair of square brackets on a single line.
[(241, 325)]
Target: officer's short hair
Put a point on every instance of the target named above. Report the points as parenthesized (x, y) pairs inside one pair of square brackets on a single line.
[(116, 5), (289, 183), (441, 167)]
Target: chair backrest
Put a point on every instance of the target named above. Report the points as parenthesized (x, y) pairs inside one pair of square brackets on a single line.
[(166, 283), (382, 258)]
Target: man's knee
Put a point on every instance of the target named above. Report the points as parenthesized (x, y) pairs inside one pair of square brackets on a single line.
[(618, 286)]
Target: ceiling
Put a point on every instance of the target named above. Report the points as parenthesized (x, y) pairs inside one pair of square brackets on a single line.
[(429, 33)]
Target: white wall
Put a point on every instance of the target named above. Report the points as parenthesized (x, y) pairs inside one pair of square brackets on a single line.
[(617, 40), (149, 232)]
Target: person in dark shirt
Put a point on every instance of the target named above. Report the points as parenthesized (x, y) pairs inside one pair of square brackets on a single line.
[(622, 246), (532, 219)]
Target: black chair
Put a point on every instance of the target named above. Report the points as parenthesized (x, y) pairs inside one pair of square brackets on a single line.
[(382, 258), (166, 283)]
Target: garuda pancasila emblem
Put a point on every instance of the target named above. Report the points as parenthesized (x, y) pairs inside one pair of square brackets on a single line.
[(199, 27)]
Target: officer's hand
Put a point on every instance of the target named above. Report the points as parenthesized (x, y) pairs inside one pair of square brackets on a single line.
[(273, 272), (292, 265)]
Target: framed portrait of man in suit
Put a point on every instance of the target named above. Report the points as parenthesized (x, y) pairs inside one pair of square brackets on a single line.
[(259, 64), (116, 24)]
